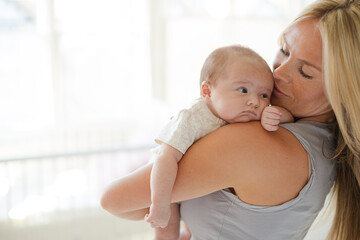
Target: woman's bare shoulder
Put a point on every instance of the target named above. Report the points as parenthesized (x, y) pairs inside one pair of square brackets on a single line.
[(264, 168)]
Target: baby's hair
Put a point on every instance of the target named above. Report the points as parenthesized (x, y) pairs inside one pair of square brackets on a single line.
[(215, 64)]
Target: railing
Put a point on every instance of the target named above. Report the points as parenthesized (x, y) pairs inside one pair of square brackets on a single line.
[(37, 188)]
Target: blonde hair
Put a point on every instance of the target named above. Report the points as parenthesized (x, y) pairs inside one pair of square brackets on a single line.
[(339, 25), (215, 64)]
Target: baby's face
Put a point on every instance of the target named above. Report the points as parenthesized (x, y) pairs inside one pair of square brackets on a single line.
[(242, 92)]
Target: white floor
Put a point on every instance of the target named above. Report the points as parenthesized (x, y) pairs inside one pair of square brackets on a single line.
[(98, 225)]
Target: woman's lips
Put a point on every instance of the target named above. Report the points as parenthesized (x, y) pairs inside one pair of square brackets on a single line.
[(279, 93)]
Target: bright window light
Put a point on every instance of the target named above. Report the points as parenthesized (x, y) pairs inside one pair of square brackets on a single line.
[(4, 186), (33, 205), (70, 183)]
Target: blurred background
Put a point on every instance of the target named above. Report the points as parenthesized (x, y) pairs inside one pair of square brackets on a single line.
[(85, 86)]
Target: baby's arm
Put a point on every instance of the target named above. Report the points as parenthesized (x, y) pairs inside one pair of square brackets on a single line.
[(162, 179), (273, 115)]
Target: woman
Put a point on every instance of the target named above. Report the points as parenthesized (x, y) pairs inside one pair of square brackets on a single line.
[(241, 182)]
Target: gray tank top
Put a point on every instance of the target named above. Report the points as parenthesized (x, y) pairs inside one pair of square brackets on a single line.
[(222, 215)]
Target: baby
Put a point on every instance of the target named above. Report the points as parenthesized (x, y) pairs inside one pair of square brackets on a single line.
[(235, 86)]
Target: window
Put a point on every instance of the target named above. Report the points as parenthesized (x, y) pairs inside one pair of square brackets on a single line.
[(195, 28), (94, 74), (75, 74), (80, 81)]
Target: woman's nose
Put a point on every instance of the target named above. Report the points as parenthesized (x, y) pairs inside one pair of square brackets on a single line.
[(282, 70)]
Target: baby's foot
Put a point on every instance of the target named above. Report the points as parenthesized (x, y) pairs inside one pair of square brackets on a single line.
[(185, 235), (158, 216)]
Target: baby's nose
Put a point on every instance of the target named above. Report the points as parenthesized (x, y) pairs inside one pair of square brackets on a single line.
[(253, 101)]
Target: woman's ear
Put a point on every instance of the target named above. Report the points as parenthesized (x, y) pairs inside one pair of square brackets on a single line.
[(205, 90)]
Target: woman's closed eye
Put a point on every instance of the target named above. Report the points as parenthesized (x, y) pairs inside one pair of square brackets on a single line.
[(242, 90), (282, 50), (301, 71), (300, 68)]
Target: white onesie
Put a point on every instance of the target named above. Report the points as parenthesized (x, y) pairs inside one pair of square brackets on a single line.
[(188, 126)]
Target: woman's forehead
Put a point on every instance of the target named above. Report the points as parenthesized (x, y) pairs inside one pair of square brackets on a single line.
[(304, 41)]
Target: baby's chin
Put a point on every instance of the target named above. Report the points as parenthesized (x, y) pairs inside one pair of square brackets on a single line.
[(243, 119)]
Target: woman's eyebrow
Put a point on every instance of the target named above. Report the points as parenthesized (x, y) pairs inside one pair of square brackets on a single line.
[(310, 64)]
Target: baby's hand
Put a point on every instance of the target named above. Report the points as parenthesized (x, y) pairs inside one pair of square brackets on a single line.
[(158, 216), (270, 118)]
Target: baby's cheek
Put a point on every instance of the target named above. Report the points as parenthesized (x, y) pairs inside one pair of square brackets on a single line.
[(261, 111), (265, 103), (227, 111), (261, 108), (220, 110)]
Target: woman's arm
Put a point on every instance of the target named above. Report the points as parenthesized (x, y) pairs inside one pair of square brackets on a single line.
[(264, 168)]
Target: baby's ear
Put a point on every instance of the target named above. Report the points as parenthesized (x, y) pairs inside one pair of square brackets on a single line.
[(205, 90)]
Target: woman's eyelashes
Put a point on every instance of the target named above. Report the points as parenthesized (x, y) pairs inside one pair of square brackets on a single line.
[(304, 74), (282, 50)]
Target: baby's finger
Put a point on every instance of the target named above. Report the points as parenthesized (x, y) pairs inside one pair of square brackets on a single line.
[(270, 128), (274, 128), (163, 226), (272, 116), (273, 110), (272, 122)]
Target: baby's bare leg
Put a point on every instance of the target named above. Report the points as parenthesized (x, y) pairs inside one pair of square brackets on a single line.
[(171, 232), (185, 233)]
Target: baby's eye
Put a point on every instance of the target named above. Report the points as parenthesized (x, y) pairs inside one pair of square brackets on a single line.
[(264, 95), (242, 90)]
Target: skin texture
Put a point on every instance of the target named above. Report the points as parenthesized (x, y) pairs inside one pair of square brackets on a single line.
[(272, 116), (239, 94), (298, 74), (210, 165), (264, 168), (242, 93)]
